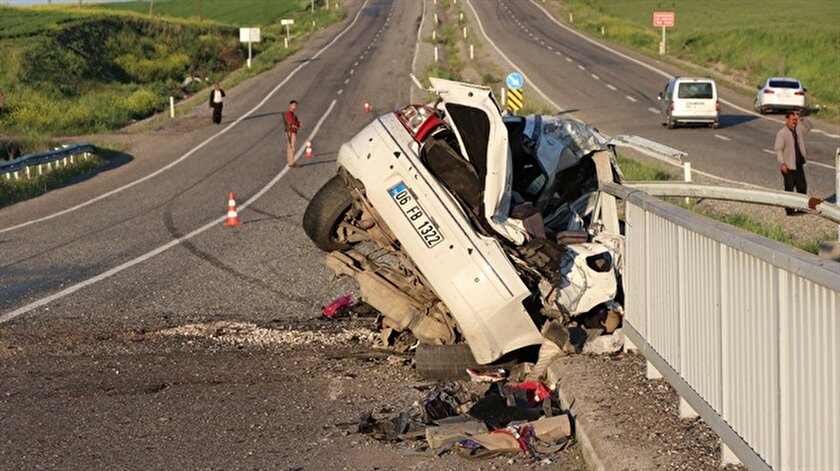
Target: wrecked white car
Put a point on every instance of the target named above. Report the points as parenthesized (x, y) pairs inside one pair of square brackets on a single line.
[(487, 225)]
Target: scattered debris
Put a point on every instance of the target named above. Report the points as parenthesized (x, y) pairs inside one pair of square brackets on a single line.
[(246, 333), (332, 310)]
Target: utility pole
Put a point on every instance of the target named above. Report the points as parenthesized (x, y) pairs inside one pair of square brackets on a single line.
[(313, 6)]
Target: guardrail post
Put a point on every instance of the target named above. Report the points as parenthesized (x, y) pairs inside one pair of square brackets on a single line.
[(16, 175), (71, 159), (687, 178), (686, 411), (27, 172), (727, 456), (651, 372), (472, 52), (40, 170)]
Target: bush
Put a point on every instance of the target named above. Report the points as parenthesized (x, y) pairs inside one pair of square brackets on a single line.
[(142, 103)]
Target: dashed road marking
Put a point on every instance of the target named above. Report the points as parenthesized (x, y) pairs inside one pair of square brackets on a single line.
[(631, 98), (558, 53), (722, 137), (351, 71), (653, 110), (542, 43), (340, 91), (595, 77), (581, 67), (768, 151), (550, 48), (355, 63), (611, 87), (346, 81), (568, 59)]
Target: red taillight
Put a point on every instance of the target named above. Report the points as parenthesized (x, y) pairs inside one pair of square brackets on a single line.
[(800, 93), (672, 106), (767, 91), (717, 106)]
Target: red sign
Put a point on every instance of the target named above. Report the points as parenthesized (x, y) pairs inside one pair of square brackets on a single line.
[(663, 18)]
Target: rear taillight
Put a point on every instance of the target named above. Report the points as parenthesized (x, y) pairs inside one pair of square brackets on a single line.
[(672, 106), (717, 106), (800, 93), (767, 91)]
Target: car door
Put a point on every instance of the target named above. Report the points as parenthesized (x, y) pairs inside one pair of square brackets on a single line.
[(473, 115)]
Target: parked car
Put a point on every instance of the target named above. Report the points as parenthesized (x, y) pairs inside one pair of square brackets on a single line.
[(780, 93), (483, 227), (688, 100)]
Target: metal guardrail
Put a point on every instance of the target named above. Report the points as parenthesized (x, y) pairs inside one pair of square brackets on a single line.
[(12, 168), (746, 329)]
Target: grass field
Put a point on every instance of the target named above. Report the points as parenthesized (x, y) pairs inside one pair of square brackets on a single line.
[(68, 70), (234, 12), (750, 40)]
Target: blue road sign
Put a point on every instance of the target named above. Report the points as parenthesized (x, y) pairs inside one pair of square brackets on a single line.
[(514, 81)]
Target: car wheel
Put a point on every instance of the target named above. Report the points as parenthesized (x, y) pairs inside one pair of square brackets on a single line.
[(672, 124), (756, 105), (449, 361), (715, 125), (330, 206)]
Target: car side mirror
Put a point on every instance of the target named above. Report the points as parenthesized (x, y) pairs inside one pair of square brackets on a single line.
[(659, 97)]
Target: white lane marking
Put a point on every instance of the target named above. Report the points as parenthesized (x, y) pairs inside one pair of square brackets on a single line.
[(581, 67), (820, 164), (818, 131), (722, 137), (346, 81), (351, 71), (542, 43), (768, 151), (568, 59), (550, 48), (163, 248), (340, 91), (653, 110), (515, 68), (356, 64), (833, 136), (595, 77), (416, 49), (631, 98), (558, 53), (611, 87), (199, 146), (647, 66)]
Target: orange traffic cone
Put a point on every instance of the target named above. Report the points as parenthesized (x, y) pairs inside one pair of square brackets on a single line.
[(367, 107), (309, 154), (233, 217)]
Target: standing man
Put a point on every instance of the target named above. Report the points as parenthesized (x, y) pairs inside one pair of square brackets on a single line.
[(791, 153), (292, 124), (217, 96)]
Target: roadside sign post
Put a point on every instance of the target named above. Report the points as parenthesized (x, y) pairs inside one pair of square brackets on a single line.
[(664, 19), (249, 35), (515, 100), (287, 23)]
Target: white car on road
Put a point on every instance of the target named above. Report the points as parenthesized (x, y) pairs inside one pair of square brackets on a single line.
[(780, 93)]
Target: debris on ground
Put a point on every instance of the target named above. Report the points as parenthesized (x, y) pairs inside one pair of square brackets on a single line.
[(237, 333), (523, 419), (339, 304)]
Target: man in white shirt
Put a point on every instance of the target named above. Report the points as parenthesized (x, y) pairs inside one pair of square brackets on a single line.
[(217, 96)]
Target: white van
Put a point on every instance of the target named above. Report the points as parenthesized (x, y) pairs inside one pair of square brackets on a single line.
[(690, 100)]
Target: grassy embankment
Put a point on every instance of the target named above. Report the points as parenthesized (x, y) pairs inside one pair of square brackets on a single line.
[(748, 41), (637, 171), (69, 70)]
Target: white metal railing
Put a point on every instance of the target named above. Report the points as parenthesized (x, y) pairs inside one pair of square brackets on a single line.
[(746, 329), (44, 161)]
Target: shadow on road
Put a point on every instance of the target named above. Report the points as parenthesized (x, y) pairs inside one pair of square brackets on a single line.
[(263, 115), (732, 120)]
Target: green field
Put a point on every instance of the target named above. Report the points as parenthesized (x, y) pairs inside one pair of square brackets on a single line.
[(234, 12), (68, 70), (750, 40)]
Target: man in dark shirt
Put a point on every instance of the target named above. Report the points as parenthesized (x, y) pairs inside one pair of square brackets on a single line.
[(792, 153), (292, 124)]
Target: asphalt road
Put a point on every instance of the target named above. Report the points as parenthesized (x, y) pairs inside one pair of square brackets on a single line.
[(618, 96), (91, 274)]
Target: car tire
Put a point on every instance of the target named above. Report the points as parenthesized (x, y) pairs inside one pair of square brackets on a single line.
[(672, 124), (448, 362), (325, 212), (715, 125)]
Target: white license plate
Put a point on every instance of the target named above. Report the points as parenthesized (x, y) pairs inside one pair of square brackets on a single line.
[(695, 105), (415, 214)]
